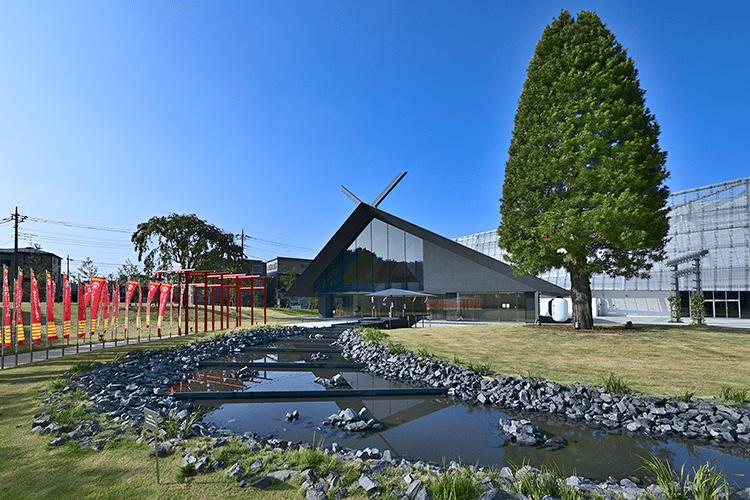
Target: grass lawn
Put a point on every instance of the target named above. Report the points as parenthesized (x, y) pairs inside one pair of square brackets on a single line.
[(653, 359)]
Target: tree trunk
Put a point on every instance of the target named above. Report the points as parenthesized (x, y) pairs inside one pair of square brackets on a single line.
[(581, 294)]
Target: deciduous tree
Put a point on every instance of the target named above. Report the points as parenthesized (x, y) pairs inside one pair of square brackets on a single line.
[(584, 178), (184, 241)]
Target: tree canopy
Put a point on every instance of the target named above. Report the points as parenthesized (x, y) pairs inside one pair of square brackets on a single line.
[(583, 185), (184, 241)]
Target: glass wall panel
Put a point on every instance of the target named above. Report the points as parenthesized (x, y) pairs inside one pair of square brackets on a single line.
[(733, 309), (396, 256), (364, 259), (414, 257), (349, 264), (380, 255)]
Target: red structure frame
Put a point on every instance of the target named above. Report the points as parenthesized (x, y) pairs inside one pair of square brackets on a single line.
[(200, 279)]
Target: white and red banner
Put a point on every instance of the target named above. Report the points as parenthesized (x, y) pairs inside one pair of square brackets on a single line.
[(6, 310), (66, 306), (51, 327), (36, 311), (164, 290)]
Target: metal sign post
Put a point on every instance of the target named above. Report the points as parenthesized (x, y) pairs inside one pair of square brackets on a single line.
[(151, 423)]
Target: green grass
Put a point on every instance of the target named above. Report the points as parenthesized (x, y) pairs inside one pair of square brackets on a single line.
[(653, 359)]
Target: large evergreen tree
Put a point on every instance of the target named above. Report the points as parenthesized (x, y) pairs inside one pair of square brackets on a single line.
[(584, 178)]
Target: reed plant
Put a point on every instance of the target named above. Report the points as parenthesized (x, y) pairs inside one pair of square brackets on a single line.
[(672, 482), (708, 482), (459, 483), (536, 484)]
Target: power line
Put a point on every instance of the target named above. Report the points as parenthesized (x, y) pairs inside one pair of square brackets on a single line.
[(275, 243), (81, 226)]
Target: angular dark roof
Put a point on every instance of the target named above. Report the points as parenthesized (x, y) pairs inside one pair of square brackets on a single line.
[(361, 217)]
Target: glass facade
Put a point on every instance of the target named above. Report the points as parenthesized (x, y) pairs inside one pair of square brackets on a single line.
[(382, 257), (714, 218)]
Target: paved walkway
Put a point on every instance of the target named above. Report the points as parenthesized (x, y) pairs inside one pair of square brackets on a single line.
[(9, 360)]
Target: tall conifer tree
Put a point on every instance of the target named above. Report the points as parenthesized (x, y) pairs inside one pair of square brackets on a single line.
[(584, 178)]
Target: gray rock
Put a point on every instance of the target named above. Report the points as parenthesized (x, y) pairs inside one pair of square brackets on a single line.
[(315, 495), (494, 494), (263, 482), (58, 441), (367, 483), (283, 475)]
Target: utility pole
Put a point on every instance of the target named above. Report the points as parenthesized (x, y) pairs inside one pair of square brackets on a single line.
[(243, 244), (68, 271), (15, 245)]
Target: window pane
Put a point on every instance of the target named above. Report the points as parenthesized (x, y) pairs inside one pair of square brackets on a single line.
[(380, 254)]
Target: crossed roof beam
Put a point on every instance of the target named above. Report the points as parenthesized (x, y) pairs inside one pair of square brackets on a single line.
[(381, 196)]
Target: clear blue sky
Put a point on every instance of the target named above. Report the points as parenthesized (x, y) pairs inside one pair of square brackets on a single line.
[(251, 114)]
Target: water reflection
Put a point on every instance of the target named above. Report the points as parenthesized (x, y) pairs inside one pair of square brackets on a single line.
[(433, 429)]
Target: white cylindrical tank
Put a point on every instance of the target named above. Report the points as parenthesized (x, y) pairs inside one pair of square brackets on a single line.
[(560, 310)]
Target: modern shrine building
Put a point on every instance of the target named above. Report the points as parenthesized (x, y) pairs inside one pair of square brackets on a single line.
[(374, 251)]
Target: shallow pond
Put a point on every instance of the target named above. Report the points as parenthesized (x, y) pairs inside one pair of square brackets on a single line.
[(434, 429)]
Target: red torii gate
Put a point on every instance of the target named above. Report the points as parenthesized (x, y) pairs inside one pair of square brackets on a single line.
[(184, 277)]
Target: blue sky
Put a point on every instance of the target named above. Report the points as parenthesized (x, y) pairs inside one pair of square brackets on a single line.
[(251, 114)]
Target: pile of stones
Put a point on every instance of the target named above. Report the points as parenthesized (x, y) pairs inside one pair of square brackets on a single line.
[(524, 433), (352, 421), (656, 417), (337, 380)]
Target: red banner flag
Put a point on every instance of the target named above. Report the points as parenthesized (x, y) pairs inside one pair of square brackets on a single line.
[(66, 306), (163, 296), (81, 310), (36, 311), (97, 288), (7, 317), (152, 288), (51, 327), (138, 314), (87, 295), (129, 290), (116, 306), (17, 300), (105, 306)]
